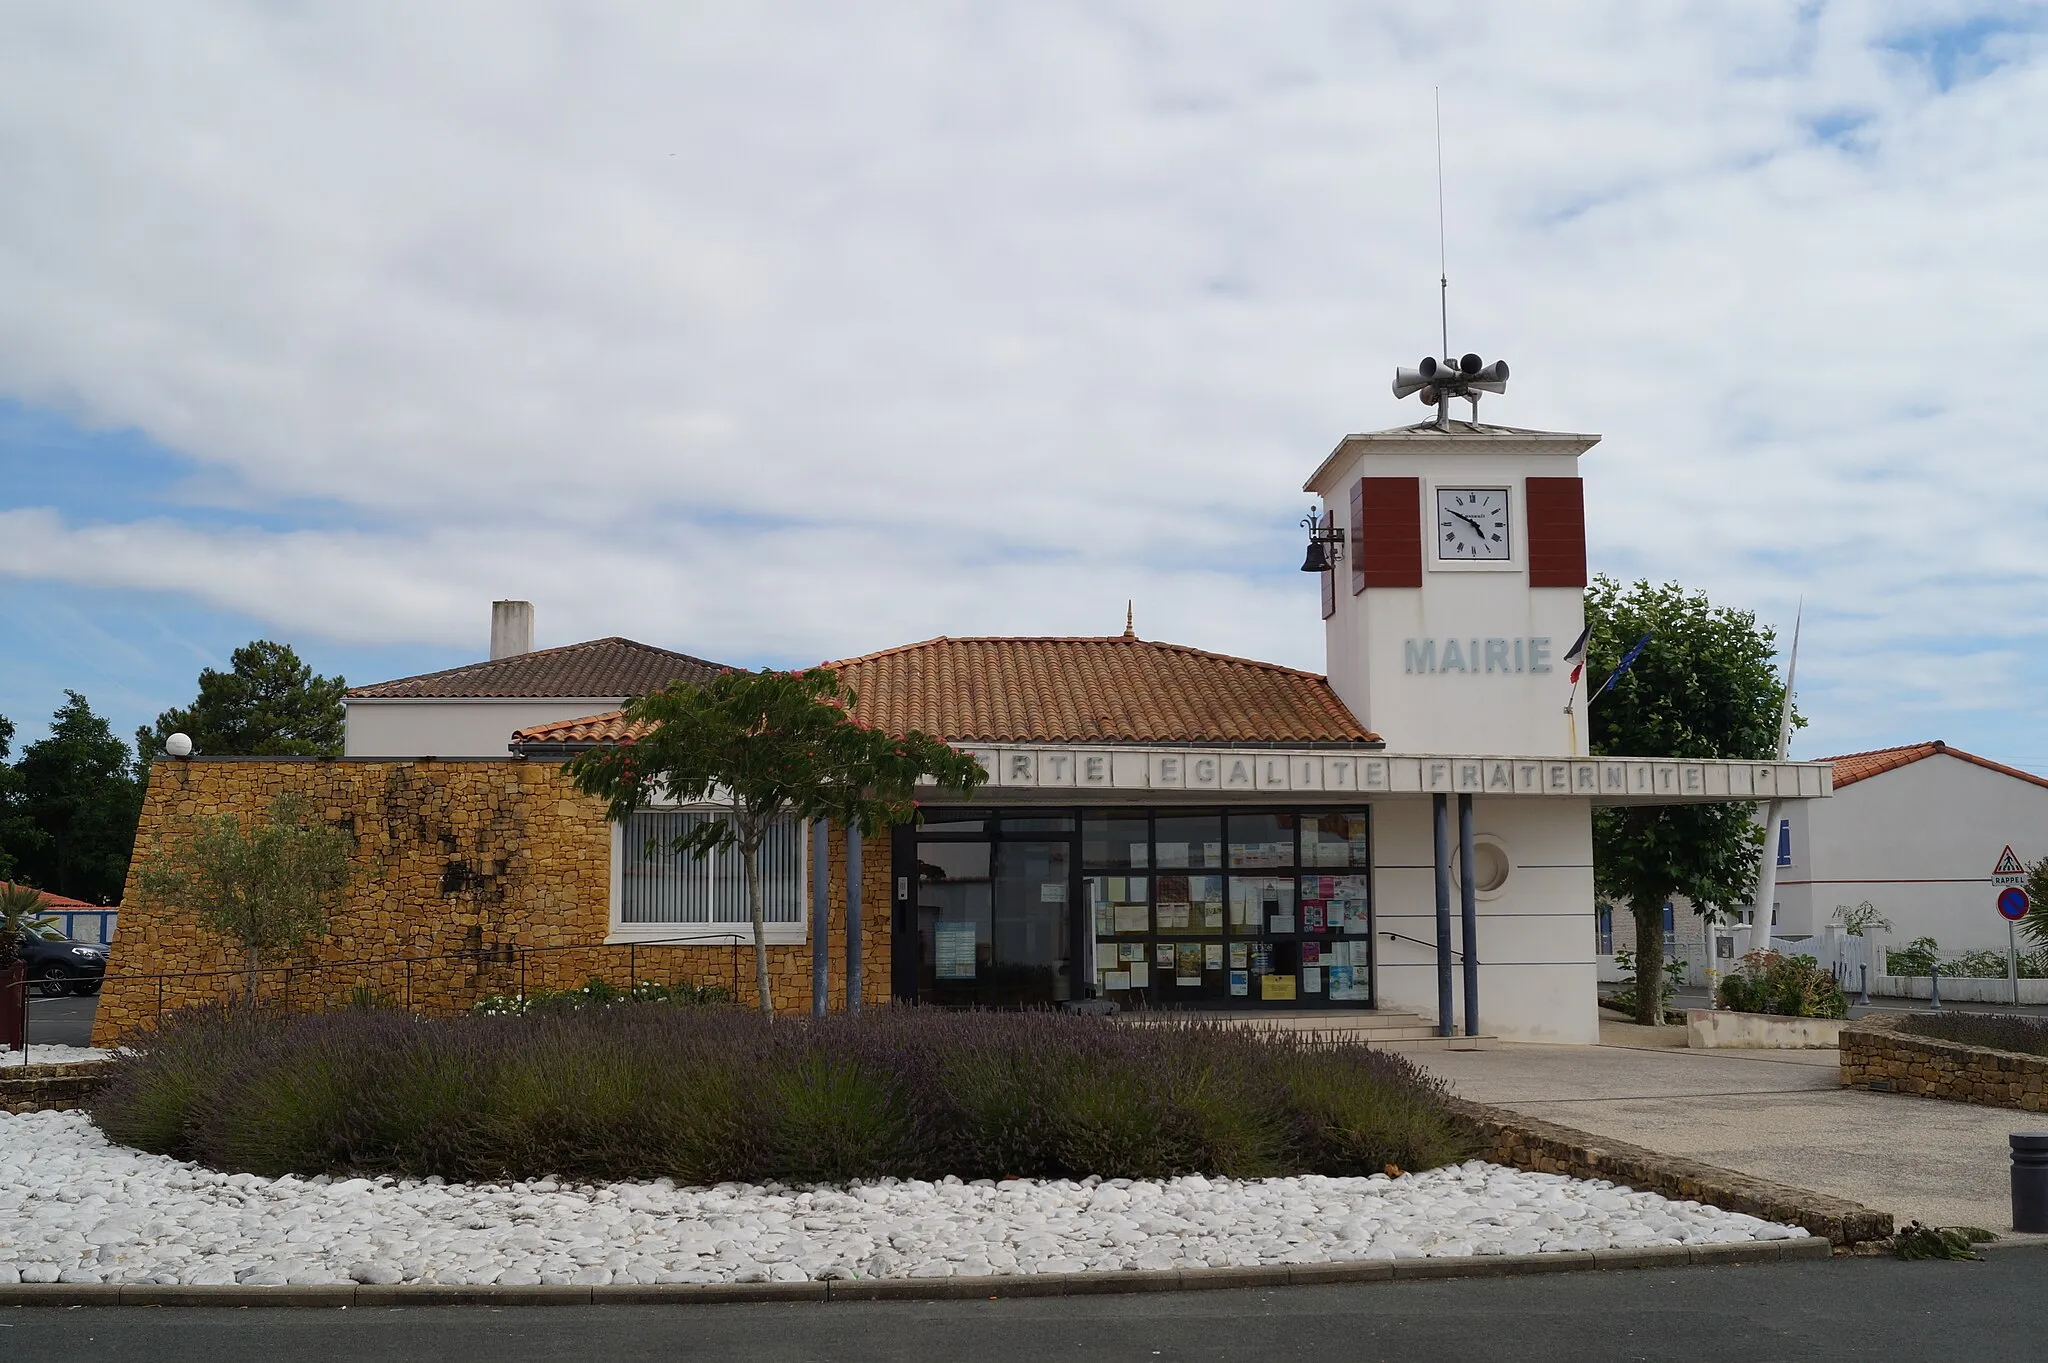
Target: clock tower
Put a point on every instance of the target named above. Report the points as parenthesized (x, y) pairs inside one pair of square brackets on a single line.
[(1455, 584)]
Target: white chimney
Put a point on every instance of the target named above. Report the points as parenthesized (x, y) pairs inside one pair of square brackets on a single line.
[(511, 628)]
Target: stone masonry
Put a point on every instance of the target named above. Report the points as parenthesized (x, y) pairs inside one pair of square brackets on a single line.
[(470, 878), (1879, 1057)]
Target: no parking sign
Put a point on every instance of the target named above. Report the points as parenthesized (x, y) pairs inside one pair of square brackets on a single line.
[(2012, 903)]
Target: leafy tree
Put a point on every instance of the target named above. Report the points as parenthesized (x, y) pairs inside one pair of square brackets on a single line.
[(77, 787), (2035, 924), (267, 704), (768, 745), (17, 832), (1705, 687), (268, 889)]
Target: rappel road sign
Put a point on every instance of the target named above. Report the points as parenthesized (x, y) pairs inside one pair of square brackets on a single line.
[(2010, 870)]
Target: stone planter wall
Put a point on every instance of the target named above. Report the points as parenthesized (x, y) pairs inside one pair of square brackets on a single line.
[(1878, 1057), (50, 1088), (1509, 1138), (1712, 1029)]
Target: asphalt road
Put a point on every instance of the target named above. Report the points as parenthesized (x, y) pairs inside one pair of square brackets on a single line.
[(65, 1021), (1984, 1312)]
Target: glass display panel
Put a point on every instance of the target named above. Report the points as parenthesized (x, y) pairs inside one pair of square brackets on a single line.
[(1261, 840), (1118, 840), (1188, 841), (1121, 905), (1339, 905), (1030, 937), (1036, 823), (945, 823), (1188, 903), (955, 904), (1262, 905), (1335, 840)]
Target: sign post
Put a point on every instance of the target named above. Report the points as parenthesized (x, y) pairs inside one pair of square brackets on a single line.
[(2012, 907)]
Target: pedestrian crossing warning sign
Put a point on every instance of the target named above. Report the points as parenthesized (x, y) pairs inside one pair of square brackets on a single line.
[(2009, 870)]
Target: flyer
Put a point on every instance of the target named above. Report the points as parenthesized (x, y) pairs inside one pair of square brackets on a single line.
[(1141, 975), (1105, 956), (1174, 888), (1052, 892), (953, 951), (1116, 979), (1312, 918), (1273, 987), (1187, 963), (1239, 955), (1262, 958), (1162, 955), (1172, 915), (1240, 983), (1281, 923), (1311, 979), (1344, 983), (1311, 953), (1138, 854), (1131, 918), (1130, 951), (1173, 854), (1212, 956)]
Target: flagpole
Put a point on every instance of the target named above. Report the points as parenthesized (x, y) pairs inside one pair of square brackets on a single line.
[(1767, 871)]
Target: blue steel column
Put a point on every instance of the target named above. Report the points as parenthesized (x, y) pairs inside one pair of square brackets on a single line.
[(821, 934), (1468, 911), (853, 918), (1446, 1022)]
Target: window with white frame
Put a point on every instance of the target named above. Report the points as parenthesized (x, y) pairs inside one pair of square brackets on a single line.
[(659, 894)]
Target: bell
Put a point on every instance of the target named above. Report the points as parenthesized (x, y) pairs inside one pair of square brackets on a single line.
[(1315, 561)]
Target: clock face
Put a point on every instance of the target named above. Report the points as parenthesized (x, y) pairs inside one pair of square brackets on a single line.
[(1472, 524)]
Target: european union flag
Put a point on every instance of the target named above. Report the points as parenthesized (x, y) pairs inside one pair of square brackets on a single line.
[(1627, 661)]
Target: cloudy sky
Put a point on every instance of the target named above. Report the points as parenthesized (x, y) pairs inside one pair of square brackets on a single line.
[(776, 332)]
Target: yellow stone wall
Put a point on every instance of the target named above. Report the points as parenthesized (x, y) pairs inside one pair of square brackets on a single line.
[(469, 878)]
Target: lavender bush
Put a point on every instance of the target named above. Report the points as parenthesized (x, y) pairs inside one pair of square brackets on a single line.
[(1999, 1031), (709, 1095)]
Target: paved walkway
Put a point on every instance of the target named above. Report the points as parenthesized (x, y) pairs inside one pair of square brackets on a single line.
[(1775, 1114)]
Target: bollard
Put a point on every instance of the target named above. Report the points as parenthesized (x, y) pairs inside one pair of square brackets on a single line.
[(1934, 988), (1864, 971), (2030, 1181)]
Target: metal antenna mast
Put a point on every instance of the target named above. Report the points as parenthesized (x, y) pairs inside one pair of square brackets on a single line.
[(1442, 254)]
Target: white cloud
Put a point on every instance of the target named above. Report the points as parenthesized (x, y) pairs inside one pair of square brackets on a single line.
[(796, 330)]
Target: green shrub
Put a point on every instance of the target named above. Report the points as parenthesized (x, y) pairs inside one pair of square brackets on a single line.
[(1624, 995), (1788, 986), (597, 993), (711, 1095), (1917, 957)]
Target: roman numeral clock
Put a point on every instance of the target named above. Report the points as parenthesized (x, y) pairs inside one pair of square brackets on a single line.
[(1472, 525), (1453, 563)]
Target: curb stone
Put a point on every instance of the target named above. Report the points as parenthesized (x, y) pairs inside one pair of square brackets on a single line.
[(916, 1289)]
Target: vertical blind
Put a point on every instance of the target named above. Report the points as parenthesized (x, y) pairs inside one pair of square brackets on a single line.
[(659, 886)]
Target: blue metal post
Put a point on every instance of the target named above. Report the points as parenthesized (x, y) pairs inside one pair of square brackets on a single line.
[(853, 919), (1468, 912), (1446, 1022), (821, 935)]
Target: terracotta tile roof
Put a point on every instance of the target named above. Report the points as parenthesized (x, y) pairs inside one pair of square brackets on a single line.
[(59, 902), (597, 667), (1097, 690), (1858, 766)]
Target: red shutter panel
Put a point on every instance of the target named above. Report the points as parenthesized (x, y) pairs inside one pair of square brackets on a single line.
[(1557, 532), (1355, 550), (1390, 532), (1328, 576)]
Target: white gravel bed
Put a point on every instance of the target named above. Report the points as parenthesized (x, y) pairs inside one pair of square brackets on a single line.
[(75, 1208), (38, 1053)]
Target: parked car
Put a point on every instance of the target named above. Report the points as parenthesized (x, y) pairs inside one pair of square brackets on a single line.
[(58, 965)]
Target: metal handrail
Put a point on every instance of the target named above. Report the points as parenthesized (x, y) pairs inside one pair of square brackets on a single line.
[(1404, 937)]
